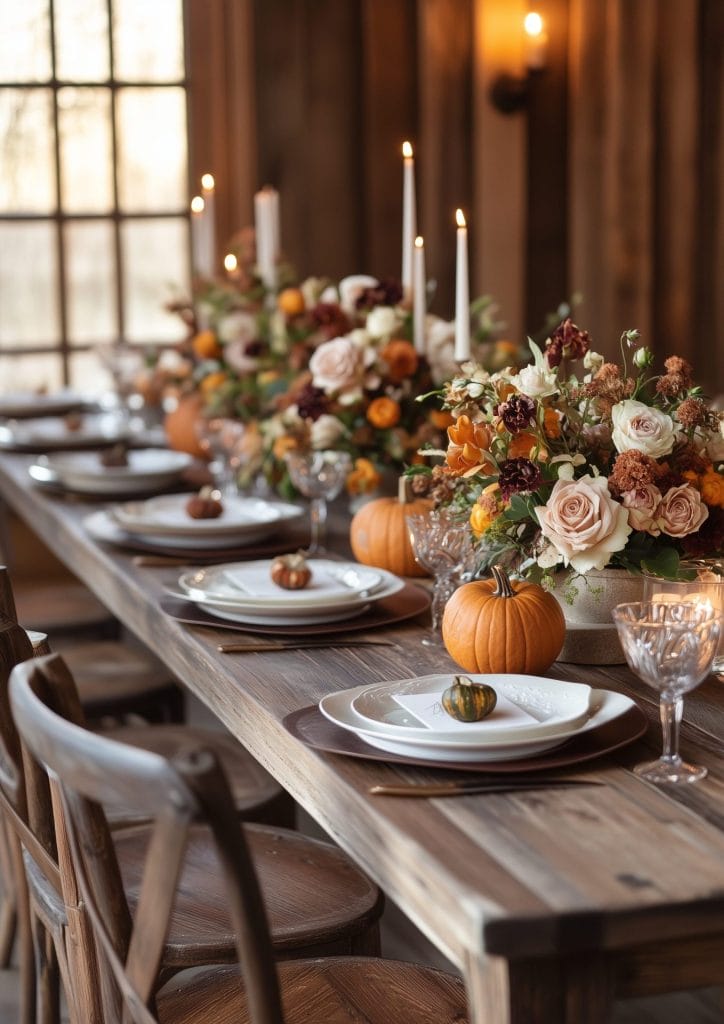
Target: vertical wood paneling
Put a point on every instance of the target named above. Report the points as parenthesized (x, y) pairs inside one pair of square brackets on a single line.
[(445, 56), (389, 52), (499, 154), (242, 160), (677, 189), (629, 167)]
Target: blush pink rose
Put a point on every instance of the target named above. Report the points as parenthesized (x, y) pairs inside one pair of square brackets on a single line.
[(642, 504), (583, 522), (336, 365), (681, 511)]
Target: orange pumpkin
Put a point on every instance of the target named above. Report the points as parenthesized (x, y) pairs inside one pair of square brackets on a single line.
[(180, 425), (378, 533), (503, 626)]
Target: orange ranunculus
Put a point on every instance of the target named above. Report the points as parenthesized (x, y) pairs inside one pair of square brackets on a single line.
[(383, 412), (441, 419), (213, 381), (711, 485), (291, 302), (486, 510), (526, 446), (551, 424), (468, 442), (363, 478), (507, 347), (206, 345), (401, 358), (284, 444)]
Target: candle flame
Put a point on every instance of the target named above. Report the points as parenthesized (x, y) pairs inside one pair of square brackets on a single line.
[(407, 150), (230, 262), (533, 24), (207, 182), (197, 205), (419, 242), (460, 218)]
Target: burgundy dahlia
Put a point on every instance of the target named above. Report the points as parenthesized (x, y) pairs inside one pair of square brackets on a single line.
[(311, 403), (385, 293), (567, 340), (518, 476), (518, 413), (330, 319)]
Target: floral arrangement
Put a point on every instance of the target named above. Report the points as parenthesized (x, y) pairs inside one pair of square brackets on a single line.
[(573, 463)]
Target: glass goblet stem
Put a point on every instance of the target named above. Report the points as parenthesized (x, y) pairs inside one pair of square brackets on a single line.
[(670, 711), (443, 588), (318, 520)]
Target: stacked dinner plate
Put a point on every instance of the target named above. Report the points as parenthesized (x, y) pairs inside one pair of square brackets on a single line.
[(532, 715), (147, 469), (245, 592), (52, 433)]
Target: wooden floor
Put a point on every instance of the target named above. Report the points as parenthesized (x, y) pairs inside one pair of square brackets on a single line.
[(401, 940)]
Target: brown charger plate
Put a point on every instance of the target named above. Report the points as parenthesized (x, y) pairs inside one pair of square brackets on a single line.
[(405, 604), (311, 727)]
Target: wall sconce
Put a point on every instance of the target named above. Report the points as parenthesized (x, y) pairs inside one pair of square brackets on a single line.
[(509, 93)]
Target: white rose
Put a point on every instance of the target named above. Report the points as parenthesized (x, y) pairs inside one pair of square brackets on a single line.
[(350, 289), (537, 381), (383, 321), (336, 365), (440, 342), (325, 432), (638, 427), (237, 326), (583, 522)]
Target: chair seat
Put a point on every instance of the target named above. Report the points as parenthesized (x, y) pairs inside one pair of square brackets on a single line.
[(314, 895), (337, 990), (257, 795)]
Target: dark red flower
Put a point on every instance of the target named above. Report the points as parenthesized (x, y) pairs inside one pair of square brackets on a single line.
[(567, 341), (311, 403), (330, 319), (385, 293), (518, 413), (518, 476)]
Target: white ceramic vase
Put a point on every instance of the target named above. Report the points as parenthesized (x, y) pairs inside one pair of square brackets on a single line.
[(591, 636)]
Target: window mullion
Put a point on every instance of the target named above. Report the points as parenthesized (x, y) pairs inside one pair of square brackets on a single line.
[(59, 234), (119, 277)]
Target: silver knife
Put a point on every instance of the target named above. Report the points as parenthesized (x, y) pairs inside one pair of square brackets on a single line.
[(438, 789)]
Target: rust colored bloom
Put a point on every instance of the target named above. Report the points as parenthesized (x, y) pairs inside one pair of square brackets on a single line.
[(551, 424), (631, 471), (567, 341), (518, 476), (468, 443), (517, 413), (486, 510), (678, 367), (691, 413), (330, 320), (363, 478), (383, 412), (522, 445), (711, 486), (608, 387), (671, 385), (401, 358)]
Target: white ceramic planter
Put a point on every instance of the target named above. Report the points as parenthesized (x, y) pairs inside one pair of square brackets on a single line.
[(591, 637)]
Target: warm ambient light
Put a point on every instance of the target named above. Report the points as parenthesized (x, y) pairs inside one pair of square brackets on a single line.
[(197, 204), (419, 242), (407, 150), (533, 24), (207, 180), (460, 218), (230, 262)]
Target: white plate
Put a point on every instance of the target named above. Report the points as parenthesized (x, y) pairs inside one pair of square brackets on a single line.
[(273, 619), (30, 403), (249, 585), (147, 467), (337, 707), (52, 433), (545, 706), (166, 516), (101, 526)]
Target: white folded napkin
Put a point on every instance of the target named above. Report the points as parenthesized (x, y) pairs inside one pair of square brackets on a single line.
[(428, 709)]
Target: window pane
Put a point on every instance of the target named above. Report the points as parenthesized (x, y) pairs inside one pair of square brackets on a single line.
[(29, 312), (91, 273), (30, 372), (155, 269), (25, 41), (86, 150), (27, 158), (152, 149), (88, 375), (148, 40), (81, 40)]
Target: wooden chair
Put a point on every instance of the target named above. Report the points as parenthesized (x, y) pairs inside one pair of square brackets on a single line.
[(319, 902), (132, 941)]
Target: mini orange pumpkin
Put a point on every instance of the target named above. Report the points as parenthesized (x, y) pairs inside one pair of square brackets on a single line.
[(502, 626), (378, 533)]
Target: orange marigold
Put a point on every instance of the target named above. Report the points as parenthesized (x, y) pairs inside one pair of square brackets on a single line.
[(383, 412), (485, 510), (291, 302), (363, 478), (213, 381), (401, 358), (526, 446), (206, 345), (284, 444), (711, 485), (551, 424)]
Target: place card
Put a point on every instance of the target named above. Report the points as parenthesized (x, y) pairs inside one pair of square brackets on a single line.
[(428, 709)]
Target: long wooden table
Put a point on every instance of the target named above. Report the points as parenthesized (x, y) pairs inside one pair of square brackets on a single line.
[(551, 902)]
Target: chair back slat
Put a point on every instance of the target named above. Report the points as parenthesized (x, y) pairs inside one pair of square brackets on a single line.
[(91, 769)]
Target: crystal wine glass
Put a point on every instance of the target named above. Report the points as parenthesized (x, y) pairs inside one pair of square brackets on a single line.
[(320, 476), (671, 646), (221, 438), (123, 362), (441, 543)]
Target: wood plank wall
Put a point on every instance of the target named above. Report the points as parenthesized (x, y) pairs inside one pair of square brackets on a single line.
[(610, 183)]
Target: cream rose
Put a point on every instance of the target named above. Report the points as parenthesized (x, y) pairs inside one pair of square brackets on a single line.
[(236, 357), (336, 365), (536, 381), (681, 511), (583, 522), (325, 432), (639, 427), (383, 321), (239, 327), (350, 289), (642, 504)]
